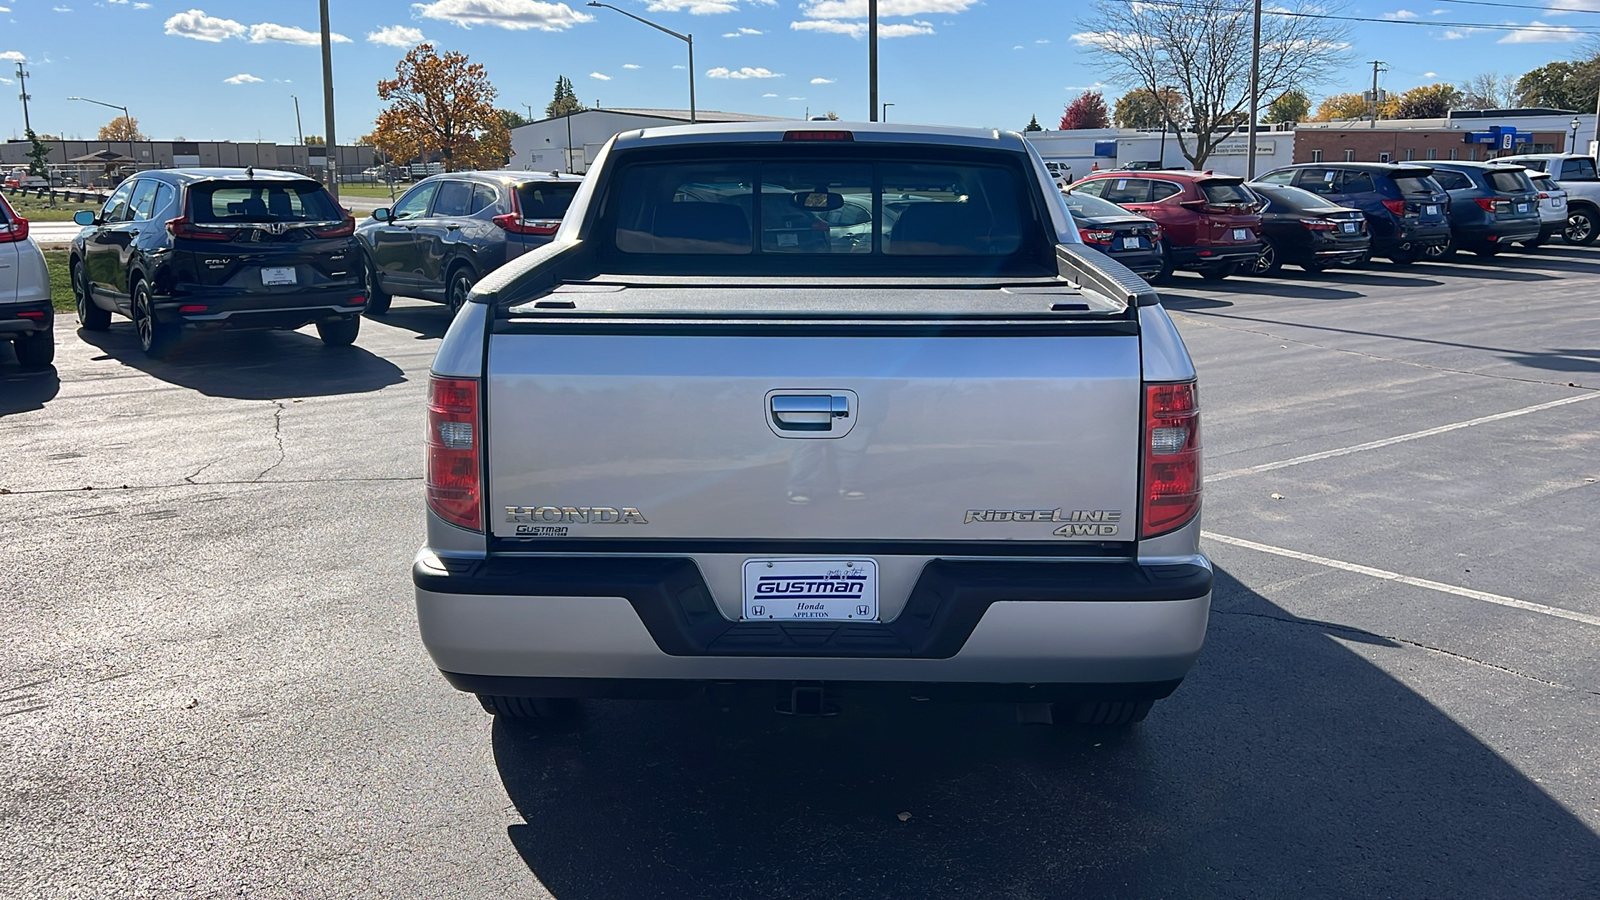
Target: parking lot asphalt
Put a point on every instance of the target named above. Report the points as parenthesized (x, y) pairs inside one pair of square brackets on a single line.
[(211, 682)]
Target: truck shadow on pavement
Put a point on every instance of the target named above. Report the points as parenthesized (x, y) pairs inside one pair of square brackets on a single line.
[(253, 365), (429, 320), (1286, 765)]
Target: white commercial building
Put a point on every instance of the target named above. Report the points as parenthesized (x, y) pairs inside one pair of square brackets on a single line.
[(1074, 154), (569, 143)]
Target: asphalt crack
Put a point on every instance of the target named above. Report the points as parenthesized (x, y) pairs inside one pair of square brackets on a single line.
[(277, 436), (206, 484), (1374, 636)]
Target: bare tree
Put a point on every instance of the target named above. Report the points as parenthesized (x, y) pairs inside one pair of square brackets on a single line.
[(1201, 48), (1488, 90)]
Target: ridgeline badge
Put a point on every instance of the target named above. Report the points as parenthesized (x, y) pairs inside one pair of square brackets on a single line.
[(1077, 523)]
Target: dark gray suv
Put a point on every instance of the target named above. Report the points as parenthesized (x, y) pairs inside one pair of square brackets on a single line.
[(450, 230)]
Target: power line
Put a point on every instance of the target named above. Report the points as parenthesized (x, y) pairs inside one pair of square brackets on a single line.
[(1541, 8), (1286, 14)]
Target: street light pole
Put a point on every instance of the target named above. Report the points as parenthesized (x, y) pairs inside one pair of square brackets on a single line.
[(330, 152), (22, 78), (299, 128), (1255, 95), (127, 119), (872, 59), (686, 38)]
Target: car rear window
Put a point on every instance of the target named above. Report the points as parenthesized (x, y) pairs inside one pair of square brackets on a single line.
[(1413, 184), (1083, 204), (1510, 182), (227, 202), (546, 199), (812, 207), (1452, 181), (1227, 193)]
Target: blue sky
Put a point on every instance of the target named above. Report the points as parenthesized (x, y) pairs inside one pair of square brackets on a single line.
[(226, 69)]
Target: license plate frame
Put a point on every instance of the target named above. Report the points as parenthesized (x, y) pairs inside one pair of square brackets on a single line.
[(274, 276), (810, 589), (1522, 207), (1430, 210), (1349, 228), (1130, 243), (1241, 234)]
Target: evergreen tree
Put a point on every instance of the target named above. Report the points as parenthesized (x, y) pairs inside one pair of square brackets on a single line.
[(565, 101), (38, 155), (1033, 125)]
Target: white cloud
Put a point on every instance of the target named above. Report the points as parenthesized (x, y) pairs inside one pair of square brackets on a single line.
[(1454, 34), (1430, 74), (741, 74), (1017, 47), (744, 31), (1545, 35), (769, 95), (141, 6), (599, 77), (857, 9), (201, 27), (1042, 41), (694, 7), (796, 98), (1562, 7), (62, 8), (859, 29), (270, 33), (242, 78), (630, 66), (1400, 15), (514, 15), (823, 80), (396, 36), (677, 67), (12, 56)]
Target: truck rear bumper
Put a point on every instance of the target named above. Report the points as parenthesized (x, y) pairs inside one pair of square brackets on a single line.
[(1046, 623)]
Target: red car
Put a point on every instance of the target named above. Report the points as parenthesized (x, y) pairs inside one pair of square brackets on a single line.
[(1212, 222)]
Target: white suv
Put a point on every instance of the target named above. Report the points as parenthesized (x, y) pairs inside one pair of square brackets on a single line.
[(1578, 176), (26, 318)]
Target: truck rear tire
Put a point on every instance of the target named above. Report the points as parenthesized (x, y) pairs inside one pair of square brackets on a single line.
[(1219, 272), (36, 350), (1581, 225), (339, 332), (547, 708)]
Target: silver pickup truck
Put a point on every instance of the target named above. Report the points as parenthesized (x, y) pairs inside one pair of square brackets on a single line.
[(808, 408)]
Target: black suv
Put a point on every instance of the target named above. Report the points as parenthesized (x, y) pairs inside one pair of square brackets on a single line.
[(218, 248), (452, 229), (1490, 206), (1406, 209)]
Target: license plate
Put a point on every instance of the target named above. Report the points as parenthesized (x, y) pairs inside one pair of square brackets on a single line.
[(1241, 234), (1522, 207), (1130, 243), (1430, 210), (834, 590), (1349, 228), (277, 275)]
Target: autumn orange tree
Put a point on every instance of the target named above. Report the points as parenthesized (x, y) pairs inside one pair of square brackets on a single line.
[(441, 105), (121, 128)]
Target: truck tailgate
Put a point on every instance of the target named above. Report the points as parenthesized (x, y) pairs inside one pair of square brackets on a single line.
[(752, 436)]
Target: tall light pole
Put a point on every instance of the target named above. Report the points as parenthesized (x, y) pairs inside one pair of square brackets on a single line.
[(125, 117), (22, 78), (330, 152), (872, 59), (686, 38), (299, 129), (1255, 95)]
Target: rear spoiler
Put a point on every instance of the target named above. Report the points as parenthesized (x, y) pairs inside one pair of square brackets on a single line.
[(1090, 270)]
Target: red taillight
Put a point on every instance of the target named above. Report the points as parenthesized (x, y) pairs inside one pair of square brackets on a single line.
[(1398, 207), (818, 136), (31, 314), (1155, 233), (343, 229), (16, 231), (181, 227), (192, 308), (1320, 224), (1094, 236), (515, 224), (1490, 204), (1171, 452), (1544, 196), (452, 452)]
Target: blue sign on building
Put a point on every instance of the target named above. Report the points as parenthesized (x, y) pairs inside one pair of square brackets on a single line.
[(1504, 137)]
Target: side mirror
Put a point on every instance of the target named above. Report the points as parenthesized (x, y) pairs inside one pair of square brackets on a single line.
[(83, 217), (382, 214)]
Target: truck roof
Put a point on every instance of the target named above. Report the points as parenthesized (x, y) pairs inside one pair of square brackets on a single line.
[(861, 132)]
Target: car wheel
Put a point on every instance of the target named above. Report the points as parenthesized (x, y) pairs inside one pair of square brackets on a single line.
[(461, 282), (1219, 272), (378, 299), (91, 317), (1267, 261), (1315, 267), (156, 338), (1162, 276), (1403, 257), (1487, 252), (1536, 242), (36, 350), (548, 708), (1439, 252), (1114, 713), (1580, 226), (339, 332)]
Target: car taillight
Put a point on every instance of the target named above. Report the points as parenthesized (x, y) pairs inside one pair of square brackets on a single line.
[(1320, 224), (1155, 233), (1095, 236), (16, 231), (1544, 196), (818, 136), (343, 229), (1398, 207), (515, 224), (453, 486), (1490, 204), (181, 227), (1171, 489)]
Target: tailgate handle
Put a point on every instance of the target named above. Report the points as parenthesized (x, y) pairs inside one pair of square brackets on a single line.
[(808, 412)]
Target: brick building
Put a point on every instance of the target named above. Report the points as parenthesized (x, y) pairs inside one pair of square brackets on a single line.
[(1358, 143)]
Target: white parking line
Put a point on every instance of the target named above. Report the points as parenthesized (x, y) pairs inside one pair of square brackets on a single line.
[(1386, 575), (1373, 445)]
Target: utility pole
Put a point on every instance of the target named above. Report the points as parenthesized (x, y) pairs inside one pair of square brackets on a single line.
[(1377, 99), (872, 60), (300, 129), (1255, 95), (22, 77), (330, 154)]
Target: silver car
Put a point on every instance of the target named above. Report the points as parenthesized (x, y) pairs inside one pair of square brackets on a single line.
[(26, 317)]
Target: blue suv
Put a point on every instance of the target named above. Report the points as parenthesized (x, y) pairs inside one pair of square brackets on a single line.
[(1490, 206), (1406, 208)]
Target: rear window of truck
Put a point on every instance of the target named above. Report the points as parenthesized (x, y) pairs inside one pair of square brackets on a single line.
[(227, 202), (801, 208)]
